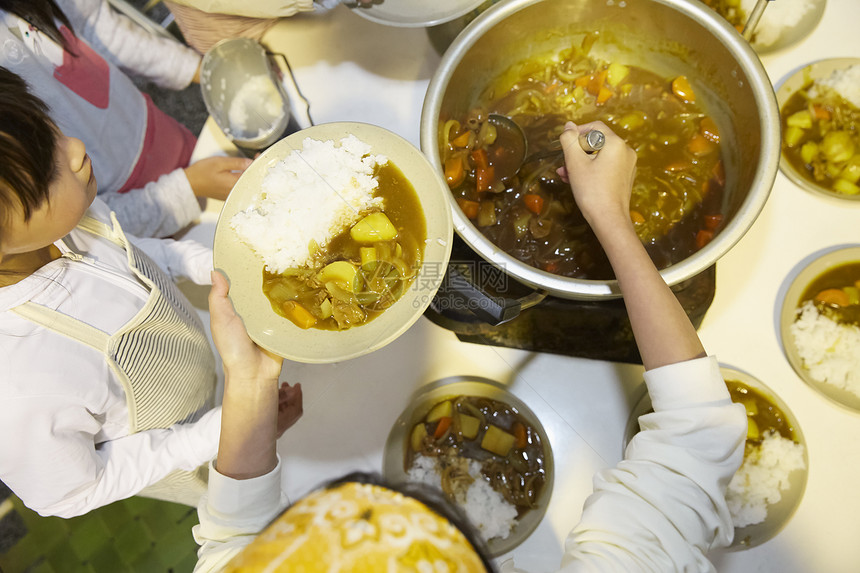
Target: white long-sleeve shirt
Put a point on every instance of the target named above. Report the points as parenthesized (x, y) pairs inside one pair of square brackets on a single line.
[(66, 446), (114, 134), (659, 510)]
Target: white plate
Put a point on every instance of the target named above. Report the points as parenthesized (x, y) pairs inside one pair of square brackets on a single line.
[(244, 268), (779, 513), (788, 315), (415, 13)]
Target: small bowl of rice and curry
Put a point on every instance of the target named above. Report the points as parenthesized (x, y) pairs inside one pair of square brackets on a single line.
[(334, 241), (820, 114), (820, 325), (484, 448), (767, 489)]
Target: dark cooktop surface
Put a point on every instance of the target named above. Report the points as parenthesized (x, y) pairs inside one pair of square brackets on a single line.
[(588, 329)]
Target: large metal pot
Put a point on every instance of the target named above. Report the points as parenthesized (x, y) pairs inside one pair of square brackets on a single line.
[(670, 37)]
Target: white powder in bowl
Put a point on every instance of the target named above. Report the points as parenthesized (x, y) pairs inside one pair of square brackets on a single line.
[(256, 108)]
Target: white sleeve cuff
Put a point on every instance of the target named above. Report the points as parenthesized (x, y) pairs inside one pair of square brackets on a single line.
[(693, 382), (248, 497)]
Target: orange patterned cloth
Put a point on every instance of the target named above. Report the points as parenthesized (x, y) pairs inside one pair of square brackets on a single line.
[(354, 528)]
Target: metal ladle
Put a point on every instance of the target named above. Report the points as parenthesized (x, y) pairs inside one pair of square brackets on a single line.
[(591, 142), (754, 17)]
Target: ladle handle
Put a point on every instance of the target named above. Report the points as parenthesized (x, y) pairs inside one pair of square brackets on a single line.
[(592, 141), (754, 17), (487, 308), (299, 105)]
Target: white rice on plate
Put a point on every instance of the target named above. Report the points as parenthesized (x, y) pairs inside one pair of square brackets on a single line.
[(762, 477), (844, 82), (829, 350), (778, 17), (308, 198), (486, 508)]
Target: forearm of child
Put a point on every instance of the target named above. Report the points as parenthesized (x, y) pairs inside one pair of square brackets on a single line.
[(663, 332), (249, 422), (602, 185), (249, 413)]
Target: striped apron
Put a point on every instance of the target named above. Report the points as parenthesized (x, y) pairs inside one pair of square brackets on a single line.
[(161, 357)]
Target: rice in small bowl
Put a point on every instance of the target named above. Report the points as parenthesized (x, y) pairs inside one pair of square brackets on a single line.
[(250, 234), (502, 524), (782, 25), (766, 490), (821, 340)]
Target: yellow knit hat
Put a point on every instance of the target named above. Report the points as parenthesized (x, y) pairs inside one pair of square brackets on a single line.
[(357, 527)]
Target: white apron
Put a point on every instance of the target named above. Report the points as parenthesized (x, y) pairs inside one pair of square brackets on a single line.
[(161, 357)]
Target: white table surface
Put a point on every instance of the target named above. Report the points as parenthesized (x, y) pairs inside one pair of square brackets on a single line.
[(354, 70)]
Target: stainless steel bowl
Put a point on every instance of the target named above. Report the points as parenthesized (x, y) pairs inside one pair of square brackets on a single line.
[(670, 37), (778, 513), (228, 67), (428, 396)]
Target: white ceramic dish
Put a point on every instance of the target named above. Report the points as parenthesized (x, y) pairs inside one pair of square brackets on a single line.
[(244, 268), (428, 396), (415, 13), (779, 513), (797, 81), (788, 314)]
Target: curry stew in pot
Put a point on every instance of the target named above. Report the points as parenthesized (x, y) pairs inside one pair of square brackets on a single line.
[(530, 213)]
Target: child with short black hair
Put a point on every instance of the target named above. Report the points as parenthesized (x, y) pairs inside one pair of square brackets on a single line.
[(108, 378)]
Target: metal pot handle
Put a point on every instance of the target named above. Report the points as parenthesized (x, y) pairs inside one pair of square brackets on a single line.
[(490, 309), (298, 103)]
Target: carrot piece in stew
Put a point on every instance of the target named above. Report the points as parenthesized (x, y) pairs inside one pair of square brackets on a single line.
[(820, 112), (835, 296), (454, 172), (603, 95), (703, 237), (442, 427), (681, 87), (708, 128), (534, 203), (484, 172), (461, 140), (713, 221), (520, 435), (700, 145), (299, 315), (469, 208)]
